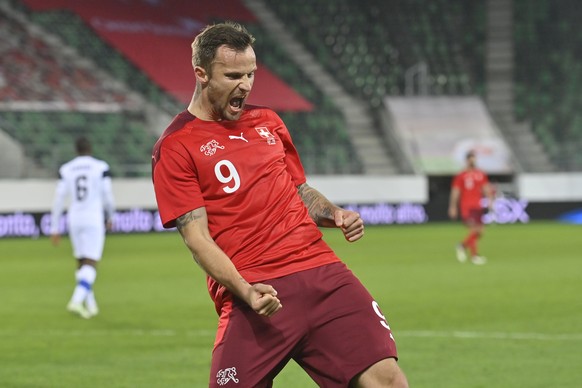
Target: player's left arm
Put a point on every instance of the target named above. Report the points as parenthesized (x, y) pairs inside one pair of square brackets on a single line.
[(326, 214), (320, 209), (108, 199), (489, 193)]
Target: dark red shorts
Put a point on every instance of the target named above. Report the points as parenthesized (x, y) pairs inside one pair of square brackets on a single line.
[(329, 324), (473, 216)]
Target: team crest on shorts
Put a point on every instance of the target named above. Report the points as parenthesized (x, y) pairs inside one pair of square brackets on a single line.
[(210, 148), (224, 376), (265, 134)]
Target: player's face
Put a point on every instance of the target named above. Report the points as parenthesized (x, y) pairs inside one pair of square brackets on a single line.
[(230, 82)]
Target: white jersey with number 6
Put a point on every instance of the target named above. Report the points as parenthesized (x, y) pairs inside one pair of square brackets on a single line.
[(86, 182)]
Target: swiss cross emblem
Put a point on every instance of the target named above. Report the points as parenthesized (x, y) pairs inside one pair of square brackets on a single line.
[(265, 134)]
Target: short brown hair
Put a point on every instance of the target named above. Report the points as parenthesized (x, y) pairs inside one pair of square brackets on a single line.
[(233, 35), (83, 145)]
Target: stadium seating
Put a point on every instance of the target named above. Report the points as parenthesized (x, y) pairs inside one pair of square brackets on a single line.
[(548, 76), (313, 132), (119, 139), (369, 46), (32, 71), (76, 34), (307, 128)]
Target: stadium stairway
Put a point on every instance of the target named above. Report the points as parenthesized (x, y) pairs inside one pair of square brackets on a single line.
[(529, 152), (12, 159), (369, 145)]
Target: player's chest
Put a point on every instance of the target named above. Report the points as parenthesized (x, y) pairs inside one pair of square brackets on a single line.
[(245, 145), (227, 160), (472, 181)]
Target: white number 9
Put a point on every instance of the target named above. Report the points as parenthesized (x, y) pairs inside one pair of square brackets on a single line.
[(379, 314), (231, 177)]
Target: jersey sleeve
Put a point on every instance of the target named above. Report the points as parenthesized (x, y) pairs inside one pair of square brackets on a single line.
[(175, 183), (107, 193), (456, 184), (292, 159), (58, 203)]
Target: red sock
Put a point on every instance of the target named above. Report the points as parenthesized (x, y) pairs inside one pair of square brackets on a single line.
[(471, 242)]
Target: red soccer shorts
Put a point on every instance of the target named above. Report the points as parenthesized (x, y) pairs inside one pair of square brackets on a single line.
[(329, 324), (472, 216)]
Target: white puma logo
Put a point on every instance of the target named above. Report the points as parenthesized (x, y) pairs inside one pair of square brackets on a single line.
[(241, 137)]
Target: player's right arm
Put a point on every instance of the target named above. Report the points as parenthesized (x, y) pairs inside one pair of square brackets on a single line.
[(193, 226), (453, 202), (57, 210)]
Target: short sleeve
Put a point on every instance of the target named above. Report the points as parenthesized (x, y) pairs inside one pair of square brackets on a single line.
[(456, 182), (175, 183), (292, 159)]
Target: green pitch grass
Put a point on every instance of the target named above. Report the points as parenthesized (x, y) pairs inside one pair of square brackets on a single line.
[(515, 322)]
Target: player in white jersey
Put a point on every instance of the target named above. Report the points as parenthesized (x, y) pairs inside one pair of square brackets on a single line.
[(86, 182)]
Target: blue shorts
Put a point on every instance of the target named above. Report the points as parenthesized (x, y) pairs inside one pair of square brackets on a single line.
[(329, 324)]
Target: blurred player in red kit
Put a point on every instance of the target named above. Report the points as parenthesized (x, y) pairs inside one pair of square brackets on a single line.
[(468, 188), (228, 176)]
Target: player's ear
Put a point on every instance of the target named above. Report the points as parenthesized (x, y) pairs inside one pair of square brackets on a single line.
[(201, 75)]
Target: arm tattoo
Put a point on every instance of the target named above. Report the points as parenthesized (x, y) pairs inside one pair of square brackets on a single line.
[(320, 208), (184, 220), (181, 223)]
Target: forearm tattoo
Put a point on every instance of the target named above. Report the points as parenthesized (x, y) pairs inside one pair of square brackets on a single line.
[(184, 220), (320, 208), (181, 223)]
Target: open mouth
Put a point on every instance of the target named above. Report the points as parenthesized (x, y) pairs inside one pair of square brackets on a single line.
[(237, 103)]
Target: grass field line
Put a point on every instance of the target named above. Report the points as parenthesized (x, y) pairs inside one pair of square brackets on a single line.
[(211, 333), (491, 335)]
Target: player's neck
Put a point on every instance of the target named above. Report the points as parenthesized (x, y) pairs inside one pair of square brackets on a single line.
[(197, 109)]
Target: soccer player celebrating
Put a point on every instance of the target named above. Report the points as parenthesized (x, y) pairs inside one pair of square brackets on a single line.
[(228, 176), (467, 190), (86, 181)]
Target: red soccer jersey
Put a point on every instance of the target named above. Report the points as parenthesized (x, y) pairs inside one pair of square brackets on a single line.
[(245, 173), (470, 184)]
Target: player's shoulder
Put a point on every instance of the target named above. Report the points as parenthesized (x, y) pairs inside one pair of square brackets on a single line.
[(87, 161), (70, 165), (180, 126), (101, 164), (171, 138), (460, 174), (260, 111), (85, 164), (67, 165), (263, 117)]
